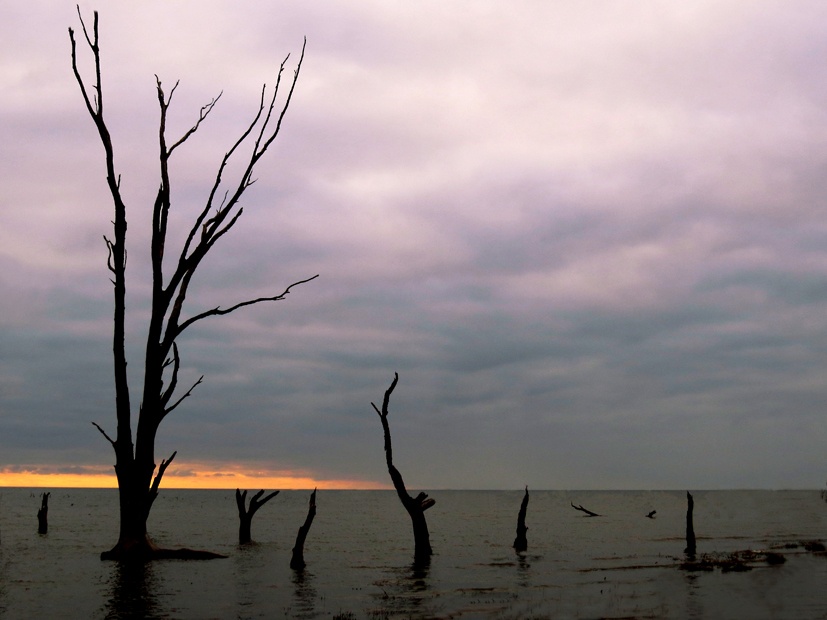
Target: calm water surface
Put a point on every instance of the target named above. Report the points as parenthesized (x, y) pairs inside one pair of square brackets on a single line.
[(359, 557)]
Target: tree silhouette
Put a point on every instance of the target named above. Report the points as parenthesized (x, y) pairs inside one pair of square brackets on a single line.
[(297, 557), (520, 541), (416, 506), (245, 514), (135, 462)]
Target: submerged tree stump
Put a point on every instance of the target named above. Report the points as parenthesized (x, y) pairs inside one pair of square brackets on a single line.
[(416, 506), (297, 559), (690, 528), (245, 515), (43, 514), (520, 542)]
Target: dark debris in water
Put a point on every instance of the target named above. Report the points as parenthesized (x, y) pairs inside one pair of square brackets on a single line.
[(737, 561), (812, 546)]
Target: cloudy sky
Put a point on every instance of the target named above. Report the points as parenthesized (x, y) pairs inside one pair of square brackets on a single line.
[(591, 238)]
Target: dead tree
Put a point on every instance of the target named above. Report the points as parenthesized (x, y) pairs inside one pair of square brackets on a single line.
[(416, 506), (43, 514), (297, 559), (690, 528), (245, 515), (135, 463), (520, 542), (588, 512)]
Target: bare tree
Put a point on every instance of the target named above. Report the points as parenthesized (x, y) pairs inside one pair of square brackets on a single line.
[(245, 515), (416, 506), (135, 462)]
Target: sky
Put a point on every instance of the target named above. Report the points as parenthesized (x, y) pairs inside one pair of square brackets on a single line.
[(591, 238)]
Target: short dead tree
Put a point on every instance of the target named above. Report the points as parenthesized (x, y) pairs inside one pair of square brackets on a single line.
[(245, 514), (43, 514)]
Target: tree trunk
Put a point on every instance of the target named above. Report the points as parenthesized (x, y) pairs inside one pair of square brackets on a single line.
[(520, 542), (43, 514), (297, 559), (245, 515), (690, 528), (416, 506)]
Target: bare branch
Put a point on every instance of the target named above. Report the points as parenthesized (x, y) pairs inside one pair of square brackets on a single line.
[(202, 115), (103, 432), (219, 312), (588, 512), (156, 483), (173, 382), (180, 400)]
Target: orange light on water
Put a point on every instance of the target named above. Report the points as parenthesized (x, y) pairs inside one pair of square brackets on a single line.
[(195, 476)]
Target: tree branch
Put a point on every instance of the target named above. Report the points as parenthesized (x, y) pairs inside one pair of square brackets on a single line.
[(103, 432), (180, 400), (156, 483), (219, 312)]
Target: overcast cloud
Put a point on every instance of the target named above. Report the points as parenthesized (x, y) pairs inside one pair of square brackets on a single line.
[(591, 237)]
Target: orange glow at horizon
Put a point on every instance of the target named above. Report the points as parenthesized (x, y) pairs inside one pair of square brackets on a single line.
[(200, 476)]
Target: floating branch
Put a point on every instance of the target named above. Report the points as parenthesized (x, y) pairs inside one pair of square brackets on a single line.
[(588, 512)]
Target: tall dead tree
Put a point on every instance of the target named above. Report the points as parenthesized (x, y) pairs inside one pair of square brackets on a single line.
[(416, 506), (297, 558), (521, 542), (690, 527), (245, 515), (135, 462)]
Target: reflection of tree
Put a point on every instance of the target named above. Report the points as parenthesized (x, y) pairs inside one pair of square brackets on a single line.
[(133, 591), (408, 592), (304, 595), (251, 578), (523, 571)]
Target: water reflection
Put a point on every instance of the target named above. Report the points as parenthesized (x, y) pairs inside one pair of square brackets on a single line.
[(523, 573), (419, 576), (304, 594), (408, 589), (133, 591), (694, 605)]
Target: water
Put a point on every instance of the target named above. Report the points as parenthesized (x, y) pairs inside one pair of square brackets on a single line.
[(359, 557)]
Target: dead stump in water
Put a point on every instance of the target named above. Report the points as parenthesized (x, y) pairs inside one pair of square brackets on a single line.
[(297, 560), (245, 515), (43, 514), (520, 542), (690, 528)]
